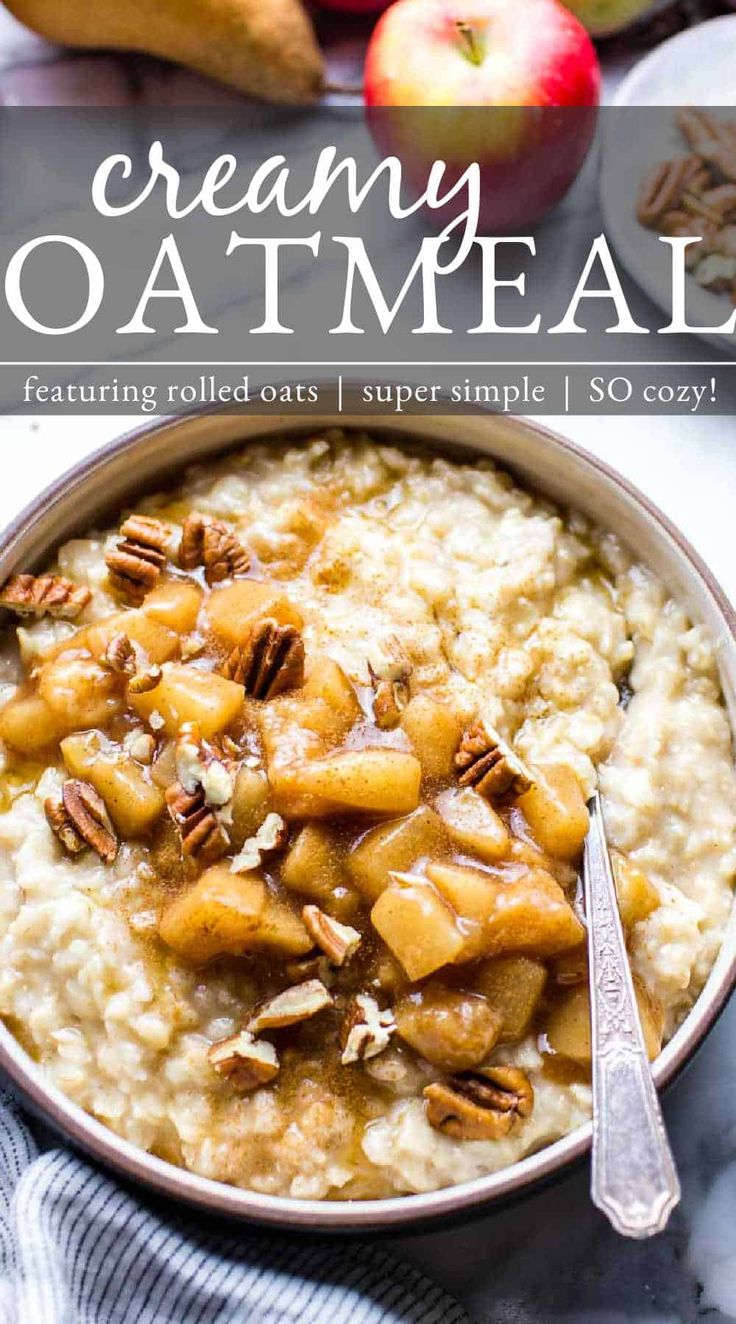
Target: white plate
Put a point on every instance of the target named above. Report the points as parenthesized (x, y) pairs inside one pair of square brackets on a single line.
[(695, 68)]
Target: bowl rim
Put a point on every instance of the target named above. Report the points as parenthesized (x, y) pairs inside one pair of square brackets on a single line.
[(408, 1212)]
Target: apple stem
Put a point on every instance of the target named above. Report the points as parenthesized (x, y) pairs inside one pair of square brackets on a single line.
[(472, 49)]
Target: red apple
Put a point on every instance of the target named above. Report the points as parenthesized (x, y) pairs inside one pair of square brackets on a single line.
[(515, 87)]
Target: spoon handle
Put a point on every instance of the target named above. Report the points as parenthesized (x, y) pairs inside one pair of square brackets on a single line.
[(633, 1176)]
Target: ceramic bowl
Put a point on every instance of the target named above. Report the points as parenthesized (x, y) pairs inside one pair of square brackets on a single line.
[(557, 468)]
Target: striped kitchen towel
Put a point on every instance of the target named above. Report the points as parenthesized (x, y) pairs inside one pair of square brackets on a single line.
[(75, 1248)]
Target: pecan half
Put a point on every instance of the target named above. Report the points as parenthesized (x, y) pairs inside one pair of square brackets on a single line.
[(485, 761), (366, 1030), (119, 656), (81, 819), (484, 1104), (243, 1061), (711, 138), (62, 827), (202, 834), (338, 941), (390, 673), (295, 1004), (44, 595), (208, 542), (269, 662), (696, 205), (135, 563)]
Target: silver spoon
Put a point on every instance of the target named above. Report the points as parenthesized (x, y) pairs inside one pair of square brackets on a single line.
[(633, 1175)]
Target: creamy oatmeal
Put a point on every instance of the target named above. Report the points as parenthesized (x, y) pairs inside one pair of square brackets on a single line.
[(293, 803)]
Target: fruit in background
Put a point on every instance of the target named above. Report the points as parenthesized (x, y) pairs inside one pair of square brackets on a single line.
[(264, 47), (523, 82), (602, 18)]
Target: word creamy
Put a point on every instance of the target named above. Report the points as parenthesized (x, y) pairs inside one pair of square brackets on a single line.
[(360, 300)]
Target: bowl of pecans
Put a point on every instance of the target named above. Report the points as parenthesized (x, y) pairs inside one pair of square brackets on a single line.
[(669, 172), (299, 724)]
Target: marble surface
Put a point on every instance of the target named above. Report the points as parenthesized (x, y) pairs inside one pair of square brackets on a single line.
[(553, 1258)]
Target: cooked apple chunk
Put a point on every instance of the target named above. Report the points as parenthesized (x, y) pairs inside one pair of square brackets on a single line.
[(79, 692), (637, 896), (250, 804), (186, 694), (132, 800), (378, 781), (524, 910), (231, 611), (158, 642), (556, 812), (312, 867), (434, 729), (394, 846), (230, 914), (473, 823), (175, 604), (452, 1029), (513, 986), (568, 1027), (27, 724), (327, 683), (418, 925)]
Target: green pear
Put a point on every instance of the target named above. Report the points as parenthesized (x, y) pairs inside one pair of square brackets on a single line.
[(604, 17), (263, 47)]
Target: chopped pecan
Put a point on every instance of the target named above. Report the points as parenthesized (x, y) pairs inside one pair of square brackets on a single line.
[(208, 542), (269, 662), (81, 819), (683, 225), (44, 595), (119, 656), (484, 1104), (295, 1004), (338, 941), (485, 761), (366, 1030), (724, 241), (390, 673), (243, 1061), (716, 272), (723, 199), (140, 745), (270, 836), (135, 563), (146, 679), (313, 966), (202, 834), (198, 766)]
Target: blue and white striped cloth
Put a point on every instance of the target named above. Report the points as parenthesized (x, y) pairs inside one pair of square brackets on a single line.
[(76, 1248)]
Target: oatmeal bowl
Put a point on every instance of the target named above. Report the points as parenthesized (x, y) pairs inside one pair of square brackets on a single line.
[(298, 727)]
